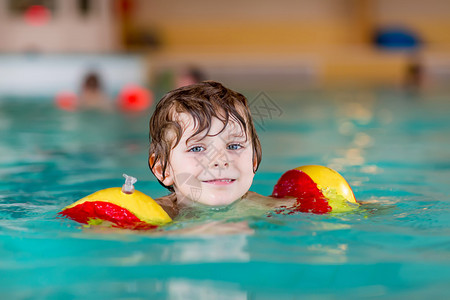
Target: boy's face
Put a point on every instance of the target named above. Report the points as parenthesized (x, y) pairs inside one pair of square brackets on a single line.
[(214, 170)]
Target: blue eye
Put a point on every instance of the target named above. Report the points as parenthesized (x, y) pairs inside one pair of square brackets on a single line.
[(234, 146), (197, 149)]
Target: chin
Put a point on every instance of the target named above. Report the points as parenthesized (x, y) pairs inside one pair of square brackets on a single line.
[(221, 200), (217, 202)]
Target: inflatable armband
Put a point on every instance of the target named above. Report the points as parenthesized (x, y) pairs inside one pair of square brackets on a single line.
[(66, 101), (134, 98), (318, 189), (122, 207)]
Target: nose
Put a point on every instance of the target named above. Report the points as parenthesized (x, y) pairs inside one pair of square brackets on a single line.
[(221, 165), (220, 162)]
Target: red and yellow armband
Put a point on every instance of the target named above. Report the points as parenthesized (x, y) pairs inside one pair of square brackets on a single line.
[(122, 207), (318, 189)]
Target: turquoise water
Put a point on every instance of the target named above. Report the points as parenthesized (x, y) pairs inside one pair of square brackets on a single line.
[(392, 147)]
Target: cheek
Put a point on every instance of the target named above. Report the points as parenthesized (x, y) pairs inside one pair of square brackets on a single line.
[(185, 167), (245, 166), (244, 161), (180, 161), (192, 164)]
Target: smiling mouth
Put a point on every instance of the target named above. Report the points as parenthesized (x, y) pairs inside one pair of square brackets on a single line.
[(221, 181)]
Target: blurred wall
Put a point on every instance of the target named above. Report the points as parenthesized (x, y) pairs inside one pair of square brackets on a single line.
[(429, 18), (67, 31), (330, 40), (313, 41), (47, 75), (270, 25), (235, 25)]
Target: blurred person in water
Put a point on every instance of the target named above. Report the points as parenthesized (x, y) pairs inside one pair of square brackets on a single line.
[(92, 95), (188, 76)]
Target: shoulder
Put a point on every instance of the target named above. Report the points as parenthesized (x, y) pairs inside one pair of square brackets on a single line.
[(169, 204)]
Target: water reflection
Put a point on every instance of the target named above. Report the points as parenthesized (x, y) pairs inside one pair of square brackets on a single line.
[(354, 113), (232, 248), (204, 290)]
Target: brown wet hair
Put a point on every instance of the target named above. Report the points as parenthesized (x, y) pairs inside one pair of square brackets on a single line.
[(202, 101)]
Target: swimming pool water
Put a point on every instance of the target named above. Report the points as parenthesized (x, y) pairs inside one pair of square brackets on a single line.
[(391, 146)]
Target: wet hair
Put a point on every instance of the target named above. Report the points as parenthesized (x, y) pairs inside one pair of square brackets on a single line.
[(92, 81), (196, 74), (201, 101)]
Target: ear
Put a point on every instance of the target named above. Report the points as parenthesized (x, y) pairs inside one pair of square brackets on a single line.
[(167, 179), (255, 163)]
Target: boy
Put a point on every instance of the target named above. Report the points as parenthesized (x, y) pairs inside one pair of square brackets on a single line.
[(204, 148)]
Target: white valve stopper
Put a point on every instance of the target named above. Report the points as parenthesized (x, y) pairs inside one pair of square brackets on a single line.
[(128, 187)]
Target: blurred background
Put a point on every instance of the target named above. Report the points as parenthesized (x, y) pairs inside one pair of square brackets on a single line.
[(50, 45)]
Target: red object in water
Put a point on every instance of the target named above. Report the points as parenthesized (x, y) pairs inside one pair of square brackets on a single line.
[(66, 101), (298, 184), (37, 15), (135, 98), (119, 216)]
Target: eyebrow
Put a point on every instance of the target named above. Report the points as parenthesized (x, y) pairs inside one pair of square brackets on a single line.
[(199, 138), (194, 139), (237, 135)]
